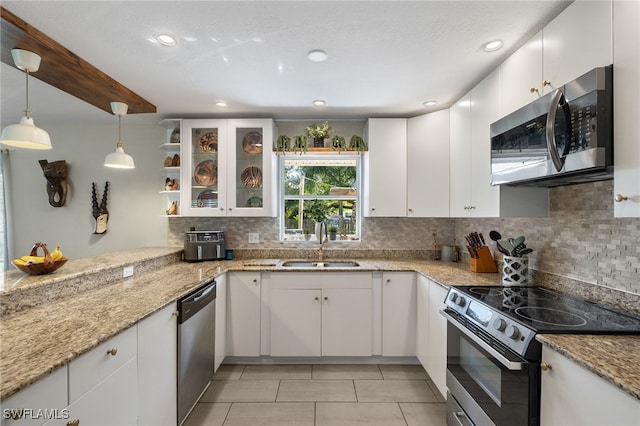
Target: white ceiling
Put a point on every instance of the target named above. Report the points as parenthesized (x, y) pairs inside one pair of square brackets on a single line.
[(385, 57)]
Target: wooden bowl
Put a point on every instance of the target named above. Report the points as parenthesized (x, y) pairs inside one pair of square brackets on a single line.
[(48, 266)]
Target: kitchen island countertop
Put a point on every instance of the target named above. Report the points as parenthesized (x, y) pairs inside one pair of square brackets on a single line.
[(55, 330)]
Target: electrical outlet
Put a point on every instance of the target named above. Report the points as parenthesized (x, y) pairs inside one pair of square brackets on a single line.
[(254, 237), (127, 271)]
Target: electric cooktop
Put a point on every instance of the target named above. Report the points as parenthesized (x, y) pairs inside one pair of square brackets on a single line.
[(549, 311)]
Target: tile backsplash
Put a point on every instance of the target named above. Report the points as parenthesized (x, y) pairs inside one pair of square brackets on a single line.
[(580, 241)]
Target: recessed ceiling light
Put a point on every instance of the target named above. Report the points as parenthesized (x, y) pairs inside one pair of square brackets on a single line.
[(166, 40), (430, 103), (221, 104), (317, 55), (319, 103), (492, 46)]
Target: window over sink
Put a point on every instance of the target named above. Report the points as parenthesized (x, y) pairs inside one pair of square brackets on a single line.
[(319, 188)]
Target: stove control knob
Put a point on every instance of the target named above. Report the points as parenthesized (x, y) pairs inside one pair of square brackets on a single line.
[(461, 302), (453, 297), (499, 324), (513, 332)]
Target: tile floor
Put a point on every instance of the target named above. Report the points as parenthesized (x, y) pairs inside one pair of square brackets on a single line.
[(320, 395)]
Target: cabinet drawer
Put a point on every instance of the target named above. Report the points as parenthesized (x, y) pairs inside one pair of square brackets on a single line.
[(96, 365), (49, 393)]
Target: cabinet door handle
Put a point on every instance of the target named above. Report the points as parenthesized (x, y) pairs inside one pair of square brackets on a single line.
[(175, 314), (546, 83), (388, 281), (620, 198), (255, 281), (326, 298), (112, 351), (316, 298), (545, 366), (533, 90)]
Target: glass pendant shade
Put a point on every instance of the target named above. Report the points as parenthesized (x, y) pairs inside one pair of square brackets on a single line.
[(119, 159), (25, 134)]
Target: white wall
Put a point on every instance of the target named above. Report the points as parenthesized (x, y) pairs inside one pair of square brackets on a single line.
[(134, 205)]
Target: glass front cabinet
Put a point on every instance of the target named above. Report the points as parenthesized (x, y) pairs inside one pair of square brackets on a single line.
[(227, 167)]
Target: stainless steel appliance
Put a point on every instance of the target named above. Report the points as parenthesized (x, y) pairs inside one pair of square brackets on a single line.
[(196, 340), (493, 358), (204, 245), (561, 138)]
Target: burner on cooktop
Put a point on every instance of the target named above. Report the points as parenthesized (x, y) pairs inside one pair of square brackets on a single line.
[(613, 319), (550, 316), (486, 291)]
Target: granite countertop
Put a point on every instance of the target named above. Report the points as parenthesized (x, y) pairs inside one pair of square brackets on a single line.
[(614, 358), (48, 321)]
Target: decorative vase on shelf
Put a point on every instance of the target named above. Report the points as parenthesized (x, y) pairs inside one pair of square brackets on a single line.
[(318, 142), (515, 270)]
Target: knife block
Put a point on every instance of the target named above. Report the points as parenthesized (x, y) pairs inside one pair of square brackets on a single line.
[(484, 262)]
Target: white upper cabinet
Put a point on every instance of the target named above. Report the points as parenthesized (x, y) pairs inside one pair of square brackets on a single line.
[(460, 157), (626, 107), (227, 167), (385, 174), (520, 76), (576, 41), (428, 165), (485, 199), (250, 166), (471, 194)]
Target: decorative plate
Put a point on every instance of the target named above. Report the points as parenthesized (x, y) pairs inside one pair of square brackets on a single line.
[(251, 177), (252, 143), (206, 173), (209, 142), (207, 198), (254, 202)]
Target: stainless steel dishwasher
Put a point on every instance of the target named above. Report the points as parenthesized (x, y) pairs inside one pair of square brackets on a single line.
[(196, 340)]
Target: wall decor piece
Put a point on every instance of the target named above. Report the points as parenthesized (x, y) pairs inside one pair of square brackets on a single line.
[(100, 212), (56, 175)]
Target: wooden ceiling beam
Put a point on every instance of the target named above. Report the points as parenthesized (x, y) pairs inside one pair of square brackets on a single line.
[(65, 70)]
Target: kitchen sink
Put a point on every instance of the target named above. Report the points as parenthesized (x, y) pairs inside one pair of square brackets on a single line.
[(320, 264)]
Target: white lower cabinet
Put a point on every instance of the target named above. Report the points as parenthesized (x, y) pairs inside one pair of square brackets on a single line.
[(23, 408), (431, 331), (221, 322), (346, 322), (103, 384), (112, 402), (157, 368), (436, 365), (572, 395), (243, 314), (399, 314), (320, 314), (422, 319)]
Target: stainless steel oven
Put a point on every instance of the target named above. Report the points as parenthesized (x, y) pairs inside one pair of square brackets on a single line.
[(493, 357), (491, 384)]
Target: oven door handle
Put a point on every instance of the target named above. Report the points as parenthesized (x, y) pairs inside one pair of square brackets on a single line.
[(511, 365)]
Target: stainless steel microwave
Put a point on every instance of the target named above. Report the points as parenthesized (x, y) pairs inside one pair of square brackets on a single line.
[(562, 138)]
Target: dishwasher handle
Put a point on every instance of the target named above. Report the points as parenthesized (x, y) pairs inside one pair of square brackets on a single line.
[(195, 301)]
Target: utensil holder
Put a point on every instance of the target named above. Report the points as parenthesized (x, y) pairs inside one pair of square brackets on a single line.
[(484, 262), (515, 271)]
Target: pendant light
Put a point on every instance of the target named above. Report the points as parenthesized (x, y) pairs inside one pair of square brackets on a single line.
[(25, 134), (119, 159)]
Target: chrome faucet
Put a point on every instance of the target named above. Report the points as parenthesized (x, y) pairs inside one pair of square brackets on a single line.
[(323, 232)]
